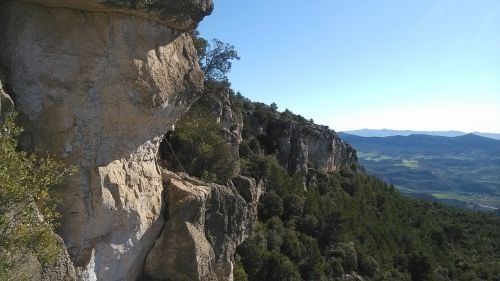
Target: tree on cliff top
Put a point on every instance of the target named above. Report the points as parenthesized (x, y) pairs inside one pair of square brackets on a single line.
[(214, 58)]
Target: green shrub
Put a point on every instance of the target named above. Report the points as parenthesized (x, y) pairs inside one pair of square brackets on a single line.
[(270, 205), (202, 148), (25, 194)]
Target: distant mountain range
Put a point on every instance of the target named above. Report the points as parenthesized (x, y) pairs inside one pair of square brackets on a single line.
[(463, 170), (388, 133)]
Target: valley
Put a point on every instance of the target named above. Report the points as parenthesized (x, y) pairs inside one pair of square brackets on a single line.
[(461, 171)]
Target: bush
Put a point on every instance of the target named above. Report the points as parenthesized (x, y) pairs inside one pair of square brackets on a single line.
[(293, 205), (368, 266), (202, 148), (25, 184), (270, 205), (279, 267), (239, 273)]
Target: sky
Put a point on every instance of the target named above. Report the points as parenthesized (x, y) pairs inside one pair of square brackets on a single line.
[(351, 64)]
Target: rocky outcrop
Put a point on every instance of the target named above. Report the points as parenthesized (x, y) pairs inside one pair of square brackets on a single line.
[(181, 15), (205, 223), (218, 102), (97, 83), (298, 144)]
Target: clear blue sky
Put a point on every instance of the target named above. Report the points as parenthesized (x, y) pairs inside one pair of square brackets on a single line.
[(396, 64)]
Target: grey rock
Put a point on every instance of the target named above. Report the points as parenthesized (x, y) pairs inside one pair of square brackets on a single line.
[(219, 104), (206, 222), (302, 143)]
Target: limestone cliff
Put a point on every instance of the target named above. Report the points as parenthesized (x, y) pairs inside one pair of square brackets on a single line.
[(97, 83), (299, 144)]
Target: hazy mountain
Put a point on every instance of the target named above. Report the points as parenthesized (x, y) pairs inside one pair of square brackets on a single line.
[(388, 133), (462, 170), (488, 135)]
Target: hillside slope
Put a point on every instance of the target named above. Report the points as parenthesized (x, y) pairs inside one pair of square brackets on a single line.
[(321, 223)]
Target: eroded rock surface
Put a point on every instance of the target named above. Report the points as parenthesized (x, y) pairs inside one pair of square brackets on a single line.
[(218, 103), (299, 144), (302, 144), (97, 86), (181, 15), (205, 224)]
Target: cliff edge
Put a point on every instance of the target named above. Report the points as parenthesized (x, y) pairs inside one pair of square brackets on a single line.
[(97, 83)]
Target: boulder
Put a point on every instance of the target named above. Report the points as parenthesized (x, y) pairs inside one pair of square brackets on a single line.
[(205, 223)]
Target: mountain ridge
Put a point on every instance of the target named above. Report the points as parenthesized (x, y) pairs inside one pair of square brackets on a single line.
[(365, 132)]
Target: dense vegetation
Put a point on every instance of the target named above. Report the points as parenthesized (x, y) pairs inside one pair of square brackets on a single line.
[(335, 226), (27, 211), (462, 170), (200, 145), (349, 221)]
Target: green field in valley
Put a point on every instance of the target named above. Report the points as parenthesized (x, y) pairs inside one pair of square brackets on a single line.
[(460, 171)]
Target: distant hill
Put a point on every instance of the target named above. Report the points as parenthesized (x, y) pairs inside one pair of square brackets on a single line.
[(388, 133), (488, 135), (462, 170)]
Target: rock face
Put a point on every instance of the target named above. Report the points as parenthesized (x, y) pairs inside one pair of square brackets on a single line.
[(219, 104), (205, 223), (181, 15), (299, 143), (24, 263), (97, 83)]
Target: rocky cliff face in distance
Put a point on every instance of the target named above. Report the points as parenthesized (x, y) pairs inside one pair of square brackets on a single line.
[(298, 143), (301, 144), (97, 83)]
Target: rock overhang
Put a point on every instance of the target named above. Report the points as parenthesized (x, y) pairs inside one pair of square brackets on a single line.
[(182, 15)]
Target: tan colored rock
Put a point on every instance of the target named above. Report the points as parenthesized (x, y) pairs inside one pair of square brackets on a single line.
[(230, 120), (98, 89), (205, 224)]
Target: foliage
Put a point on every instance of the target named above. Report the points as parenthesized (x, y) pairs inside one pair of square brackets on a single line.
[(27, 206), (201, 147), (215, 57)]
